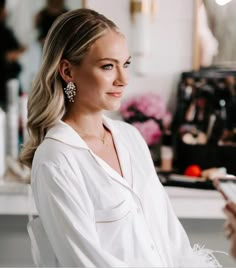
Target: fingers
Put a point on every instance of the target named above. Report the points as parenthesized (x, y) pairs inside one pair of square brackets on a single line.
[(216, 183), (230, 212), (228, 230), (233, 245), (230, 234), (231, 206), (230, 225), (231, 219)]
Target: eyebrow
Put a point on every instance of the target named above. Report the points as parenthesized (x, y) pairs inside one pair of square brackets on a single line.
[(111, 59)]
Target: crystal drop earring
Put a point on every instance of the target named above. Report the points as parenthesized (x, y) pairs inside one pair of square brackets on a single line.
[(70, 91)]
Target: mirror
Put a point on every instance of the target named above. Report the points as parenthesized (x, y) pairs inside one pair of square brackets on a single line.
[(22, 16), (214, 33)]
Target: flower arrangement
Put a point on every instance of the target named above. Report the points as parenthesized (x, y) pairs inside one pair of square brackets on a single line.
[(149, 114)]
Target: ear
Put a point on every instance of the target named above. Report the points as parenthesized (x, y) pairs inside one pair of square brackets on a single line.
[(65, 69)]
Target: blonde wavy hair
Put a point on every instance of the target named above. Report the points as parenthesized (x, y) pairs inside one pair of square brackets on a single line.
[(70, 37)]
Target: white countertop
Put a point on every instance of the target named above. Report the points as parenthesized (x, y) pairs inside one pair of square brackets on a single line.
[(187, 203), (16, 199), (196, 203)]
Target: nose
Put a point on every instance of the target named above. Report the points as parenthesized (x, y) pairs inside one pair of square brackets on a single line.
[(121, 78)]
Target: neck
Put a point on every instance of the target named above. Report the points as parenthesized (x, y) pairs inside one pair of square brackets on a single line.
[(86, 123)]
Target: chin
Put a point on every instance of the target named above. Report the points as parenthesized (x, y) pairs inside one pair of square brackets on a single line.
[(115, 106)]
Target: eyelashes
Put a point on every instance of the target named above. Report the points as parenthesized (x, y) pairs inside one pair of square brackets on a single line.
[(111, 66), (127, 64), (107, 67)]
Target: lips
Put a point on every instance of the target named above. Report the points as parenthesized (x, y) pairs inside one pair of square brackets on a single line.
[(115, 94)]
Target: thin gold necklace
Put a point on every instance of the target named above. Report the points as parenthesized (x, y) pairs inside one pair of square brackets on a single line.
[(103, 139)]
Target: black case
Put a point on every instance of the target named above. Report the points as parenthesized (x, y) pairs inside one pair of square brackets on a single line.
[(211, 154)]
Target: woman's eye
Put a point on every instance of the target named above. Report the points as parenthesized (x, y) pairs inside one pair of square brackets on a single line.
[(126, 65), (107, 67)]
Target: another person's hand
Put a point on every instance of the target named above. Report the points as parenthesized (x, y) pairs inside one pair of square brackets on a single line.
[(230, 225)]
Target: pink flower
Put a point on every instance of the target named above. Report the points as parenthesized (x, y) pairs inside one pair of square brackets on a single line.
[(150, 130), (151, 105), (149, 114)]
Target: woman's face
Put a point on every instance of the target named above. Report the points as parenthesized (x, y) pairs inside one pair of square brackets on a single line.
[(103, 74)]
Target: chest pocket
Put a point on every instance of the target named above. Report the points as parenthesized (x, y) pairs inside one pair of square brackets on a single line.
[(117, 213)]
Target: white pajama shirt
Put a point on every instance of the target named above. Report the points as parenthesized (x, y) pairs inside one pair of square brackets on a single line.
[(95, 217)]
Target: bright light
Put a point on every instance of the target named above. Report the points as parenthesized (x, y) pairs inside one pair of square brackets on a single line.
[(222, 2)]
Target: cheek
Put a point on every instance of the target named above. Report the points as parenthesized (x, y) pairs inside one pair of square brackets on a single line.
[(99, 79)]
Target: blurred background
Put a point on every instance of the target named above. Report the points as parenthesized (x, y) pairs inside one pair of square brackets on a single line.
[(181, 97)]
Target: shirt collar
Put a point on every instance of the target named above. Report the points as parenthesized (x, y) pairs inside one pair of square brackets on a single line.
[(63, 132)]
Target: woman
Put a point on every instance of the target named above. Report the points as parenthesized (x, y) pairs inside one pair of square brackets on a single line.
[(93, 179)]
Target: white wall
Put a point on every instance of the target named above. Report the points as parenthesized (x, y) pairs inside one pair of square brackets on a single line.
[(171, 36), (22, 17), (172, 33)]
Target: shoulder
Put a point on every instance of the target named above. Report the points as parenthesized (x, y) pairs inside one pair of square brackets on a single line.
[(50, 152), (51, 164), (48, 148)]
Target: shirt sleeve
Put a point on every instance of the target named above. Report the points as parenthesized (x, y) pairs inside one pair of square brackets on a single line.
[(67, 215), (183, 254)]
